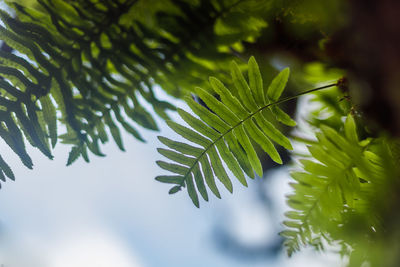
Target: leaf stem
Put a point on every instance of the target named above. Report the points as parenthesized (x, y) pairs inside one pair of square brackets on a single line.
[(300, 94)]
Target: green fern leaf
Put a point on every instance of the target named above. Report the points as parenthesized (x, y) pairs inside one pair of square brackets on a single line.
[(174, 190), (232, 102), (283, 117), (73, 155), (115, 133), (2, 177), (177, 157), (6, 169), (256, 82), (50, 116), (231, 161), (350, 130), (240, 154), (181, 147), (198, 178), (244, 140), (243, 88), (170, 179), (224, 130), (277, 85), (208, 175)]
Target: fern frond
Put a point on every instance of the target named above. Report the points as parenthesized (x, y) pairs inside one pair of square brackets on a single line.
[(333, 184), (223, 132)]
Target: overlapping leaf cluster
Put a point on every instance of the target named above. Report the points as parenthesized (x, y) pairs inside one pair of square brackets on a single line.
[(89, 64), (68, 61), (328, 185), (223, 133), (339, 191)]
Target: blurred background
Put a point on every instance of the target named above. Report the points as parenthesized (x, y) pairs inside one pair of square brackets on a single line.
[(112, 212)]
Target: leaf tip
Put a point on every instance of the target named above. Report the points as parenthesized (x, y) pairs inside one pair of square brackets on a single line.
[(174, 189), (212, 79), (234, 66), (252, 60), (158, 162)]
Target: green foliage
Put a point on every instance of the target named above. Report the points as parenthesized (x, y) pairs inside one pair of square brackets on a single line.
[(223, 132), (66, 72), (340, 190), (81, 71), (90, 65), (329, 184)]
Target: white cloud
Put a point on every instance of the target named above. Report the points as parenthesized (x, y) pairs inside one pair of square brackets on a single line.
[(95, 248)]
